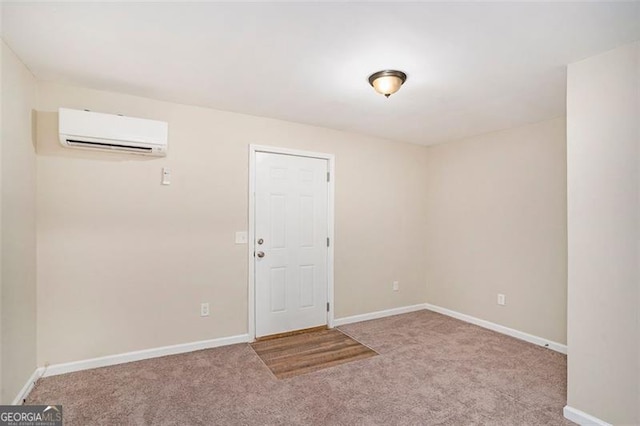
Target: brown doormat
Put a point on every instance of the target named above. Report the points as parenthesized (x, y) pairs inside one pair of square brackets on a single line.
[(291, 356)]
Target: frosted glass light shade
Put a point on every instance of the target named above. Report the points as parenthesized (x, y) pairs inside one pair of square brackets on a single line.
[(387, 82)]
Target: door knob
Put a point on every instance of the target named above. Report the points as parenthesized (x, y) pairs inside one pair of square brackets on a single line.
[(260, 254)]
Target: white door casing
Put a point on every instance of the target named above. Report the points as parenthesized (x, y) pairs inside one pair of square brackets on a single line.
[(291, 254)]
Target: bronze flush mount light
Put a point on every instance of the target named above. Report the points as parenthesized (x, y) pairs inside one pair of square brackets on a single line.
[(387, 82)]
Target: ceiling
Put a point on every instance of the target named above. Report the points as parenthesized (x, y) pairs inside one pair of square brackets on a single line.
[(472, 67)]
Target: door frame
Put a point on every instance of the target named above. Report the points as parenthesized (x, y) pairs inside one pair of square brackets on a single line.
[(253, 149)]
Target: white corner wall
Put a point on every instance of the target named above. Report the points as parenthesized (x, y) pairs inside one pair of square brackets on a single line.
[(603, 156), (124, 262), (130, 260), (18, 226)]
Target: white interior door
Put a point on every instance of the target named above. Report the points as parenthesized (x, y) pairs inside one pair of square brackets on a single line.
[(291, 232)]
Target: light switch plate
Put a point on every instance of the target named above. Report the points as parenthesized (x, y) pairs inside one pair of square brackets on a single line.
[(241, 237)]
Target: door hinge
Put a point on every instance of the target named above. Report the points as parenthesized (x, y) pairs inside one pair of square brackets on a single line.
[(327, 306), (328, 177), (327, 241)]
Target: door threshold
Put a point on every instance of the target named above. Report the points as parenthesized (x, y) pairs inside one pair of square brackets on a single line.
[(291, 333)]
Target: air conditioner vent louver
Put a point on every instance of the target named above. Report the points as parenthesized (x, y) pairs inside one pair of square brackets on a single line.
[(107, 132)]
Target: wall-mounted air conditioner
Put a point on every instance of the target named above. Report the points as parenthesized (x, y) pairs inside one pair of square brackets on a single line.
[(109, 132)]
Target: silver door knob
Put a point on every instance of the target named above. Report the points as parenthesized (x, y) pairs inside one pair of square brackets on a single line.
[(260, 254)]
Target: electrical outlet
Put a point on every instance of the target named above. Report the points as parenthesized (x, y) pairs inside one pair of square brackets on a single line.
[(395, 286), (204, 309), (502, 299)]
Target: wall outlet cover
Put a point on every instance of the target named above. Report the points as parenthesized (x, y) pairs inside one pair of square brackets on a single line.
[(204, 309), (502, 299)]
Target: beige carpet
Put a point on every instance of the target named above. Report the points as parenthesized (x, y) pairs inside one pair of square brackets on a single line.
[(432, 370), (290, 356)]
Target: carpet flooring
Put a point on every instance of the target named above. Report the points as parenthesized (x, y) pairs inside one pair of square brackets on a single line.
[(290, 356), (431, 370)]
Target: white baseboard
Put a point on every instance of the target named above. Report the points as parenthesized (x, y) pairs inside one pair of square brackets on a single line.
[(106, 361), (558, 347), (26, 389), (582, 418), (379, 314), (70, 367)]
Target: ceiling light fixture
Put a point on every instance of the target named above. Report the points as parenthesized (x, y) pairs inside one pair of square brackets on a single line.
[(387, 82)]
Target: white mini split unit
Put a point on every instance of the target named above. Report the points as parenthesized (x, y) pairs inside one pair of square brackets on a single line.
[(109, 132)]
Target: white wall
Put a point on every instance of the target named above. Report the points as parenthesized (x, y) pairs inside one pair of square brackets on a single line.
[(130, 260), (18, 235), (603, 126), (124, 262), (496, 223)]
